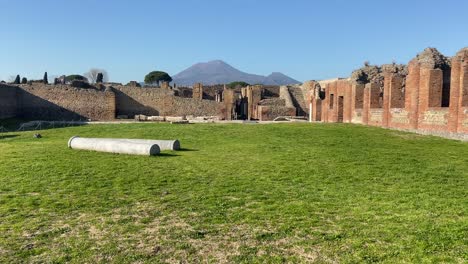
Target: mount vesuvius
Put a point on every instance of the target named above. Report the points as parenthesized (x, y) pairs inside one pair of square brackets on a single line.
[(219, 72)]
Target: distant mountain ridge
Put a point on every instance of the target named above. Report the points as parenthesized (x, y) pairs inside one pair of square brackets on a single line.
[(219, 72)]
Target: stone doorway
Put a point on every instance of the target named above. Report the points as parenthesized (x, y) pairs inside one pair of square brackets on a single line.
[(340, 109)]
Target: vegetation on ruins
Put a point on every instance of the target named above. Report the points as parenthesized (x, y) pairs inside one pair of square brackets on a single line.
[(155, 77), (45, 79), (282, 193), (93, 75), (233, 85), (75, 77)]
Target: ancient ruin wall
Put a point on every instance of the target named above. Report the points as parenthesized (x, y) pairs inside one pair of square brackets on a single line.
[(8, 104), (60, 102), (286, 96), (132, 101), (270, 112)]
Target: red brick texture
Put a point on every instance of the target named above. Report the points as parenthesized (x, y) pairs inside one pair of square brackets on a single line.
[(417, 101)]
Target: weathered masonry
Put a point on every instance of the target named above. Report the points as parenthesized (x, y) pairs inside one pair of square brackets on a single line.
[(430, 94)]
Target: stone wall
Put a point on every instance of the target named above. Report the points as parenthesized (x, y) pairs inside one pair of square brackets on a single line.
[(269, 112), (8, 101), (211, 91), (159, 102), (61, 102)]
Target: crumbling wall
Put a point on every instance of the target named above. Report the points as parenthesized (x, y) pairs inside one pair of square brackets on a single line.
[(314, 95), (8, 101), (197, 91), (374, 113), (161, 102), (251, 97), (210, 92), (270, 91), (428, 72), (62, 102), (357, 102), (458, 118), (286, 96), (270, 112)]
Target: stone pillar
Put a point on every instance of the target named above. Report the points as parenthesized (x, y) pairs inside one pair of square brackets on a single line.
[(388, 77), (253, 95), (430, 88), (357, 99), (325, 104), (229, 103), (366, 104), (458, 109), (412, 93), (314, 104), (198, 91), (455, 94), (332, 112), (348, 101), (165, 85), (111, 104)]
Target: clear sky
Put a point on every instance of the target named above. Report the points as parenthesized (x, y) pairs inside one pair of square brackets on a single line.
[(304, 39)]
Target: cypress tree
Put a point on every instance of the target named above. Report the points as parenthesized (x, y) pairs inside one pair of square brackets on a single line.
[(17, 79), (46, 80), (100, 78)]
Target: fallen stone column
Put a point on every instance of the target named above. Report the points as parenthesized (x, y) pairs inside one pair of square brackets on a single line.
[(163, 144), (114, 146)]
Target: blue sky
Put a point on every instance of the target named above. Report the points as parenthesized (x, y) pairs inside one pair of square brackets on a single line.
[(302, 38)]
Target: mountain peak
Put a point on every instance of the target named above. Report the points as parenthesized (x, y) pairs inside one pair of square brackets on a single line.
[(216, 62), (219, 72)]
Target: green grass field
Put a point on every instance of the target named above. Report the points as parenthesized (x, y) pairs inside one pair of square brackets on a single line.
[(322, 193)]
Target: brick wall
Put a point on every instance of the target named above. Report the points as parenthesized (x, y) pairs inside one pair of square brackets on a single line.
[(431, 96), (8, 101)]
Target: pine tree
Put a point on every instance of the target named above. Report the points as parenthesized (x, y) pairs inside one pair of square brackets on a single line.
[(24, 80), (17, 79)]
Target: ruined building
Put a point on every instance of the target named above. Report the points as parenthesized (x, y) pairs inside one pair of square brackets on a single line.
[(429, 94)]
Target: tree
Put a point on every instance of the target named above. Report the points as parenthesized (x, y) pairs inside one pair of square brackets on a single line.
[(93, 73), (155, 77), (75, 77), (24, 80), (100, 78), (237, 84), (17, 79), (45, 79)]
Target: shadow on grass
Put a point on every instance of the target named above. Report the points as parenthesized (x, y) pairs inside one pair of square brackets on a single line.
[(187, 149), (167, 155), (7, 136)]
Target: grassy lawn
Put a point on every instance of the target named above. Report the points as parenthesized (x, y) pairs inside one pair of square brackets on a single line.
[(236, 193)]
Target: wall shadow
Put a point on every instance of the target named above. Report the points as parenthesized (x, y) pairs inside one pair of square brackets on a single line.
[(126, 105), (31, 106), (7, 136)]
